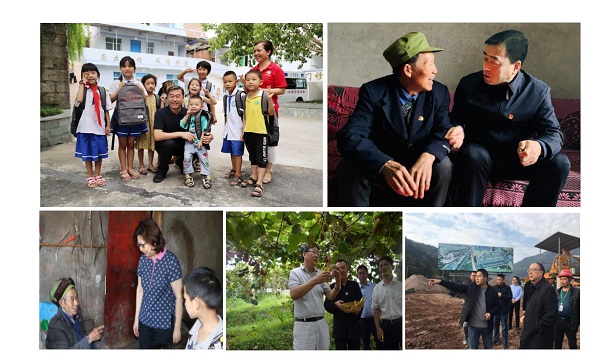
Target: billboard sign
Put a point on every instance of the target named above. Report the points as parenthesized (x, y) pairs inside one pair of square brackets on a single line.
[(458, 257)]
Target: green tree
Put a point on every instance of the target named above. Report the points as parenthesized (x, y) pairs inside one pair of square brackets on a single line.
[(262, 244), (292, 41), (60, 44)]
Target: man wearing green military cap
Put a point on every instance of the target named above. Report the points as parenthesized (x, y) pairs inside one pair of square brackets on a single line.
[(393, 147)]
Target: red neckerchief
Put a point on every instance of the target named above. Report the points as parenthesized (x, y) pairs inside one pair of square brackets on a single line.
[(94, 88)]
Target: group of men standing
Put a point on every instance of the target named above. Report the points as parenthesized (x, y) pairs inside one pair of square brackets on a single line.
[(548, 315), (380, 316)]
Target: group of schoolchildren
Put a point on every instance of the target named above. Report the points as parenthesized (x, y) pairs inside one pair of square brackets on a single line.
[(245, 124)]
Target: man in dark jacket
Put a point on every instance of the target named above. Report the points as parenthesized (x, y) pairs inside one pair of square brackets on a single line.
[(540, 317), (504, 299), (66, 330), (393, 147), (481, 305), (346, 326), (506, 119), (568, 311)]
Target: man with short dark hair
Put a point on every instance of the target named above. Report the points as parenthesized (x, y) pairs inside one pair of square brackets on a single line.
[(568, 311), (465, 325), (346, 327), (506, 127), (393, 147), (479, 309), (367, 324), (169, 135), (307, 286), (387, 306), (515, 303), (540, 317), (504, 298)]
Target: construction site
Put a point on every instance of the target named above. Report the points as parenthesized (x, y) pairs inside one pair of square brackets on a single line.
[(433, 312)]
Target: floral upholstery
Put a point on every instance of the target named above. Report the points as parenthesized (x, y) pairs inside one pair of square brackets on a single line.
[(341, 101)]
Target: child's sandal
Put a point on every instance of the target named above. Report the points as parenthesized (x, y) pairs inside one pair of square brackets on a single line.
[(207, 183), (91, 182), (133, 174), (230, 175), (125, 176), (237, 181), (251, 181), (188, 181), (100, 181), (258, 191)]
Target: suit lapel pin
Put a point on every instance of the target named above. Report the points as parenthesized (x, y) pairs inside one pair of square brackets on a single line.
[(420, 118), (510, 116)]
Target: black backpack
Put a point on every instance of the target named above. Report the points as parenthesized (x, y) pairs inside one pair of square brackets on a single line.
[(198, 124), (271, 122), (78, 111)]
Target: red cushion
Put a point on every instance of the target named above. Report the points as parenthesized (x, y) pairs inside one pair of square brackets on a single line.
[(341, 101)]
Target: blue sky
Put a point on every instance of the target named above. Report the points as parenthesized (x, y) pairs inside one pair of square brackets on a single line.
[(521, 231)]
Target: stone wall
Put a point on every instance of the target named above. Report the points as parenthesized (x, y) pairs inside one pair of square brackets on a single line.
[(54, 85), (55, 129)]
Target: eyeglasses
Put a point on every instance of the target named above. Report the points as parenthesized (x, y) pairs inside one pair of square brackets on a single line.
[(533, 269)]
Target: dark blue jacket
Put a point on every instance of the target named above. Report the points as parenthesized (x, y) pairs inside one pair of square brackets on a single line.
[(495, 122), (376, 131), (472, 292), (506, 297)]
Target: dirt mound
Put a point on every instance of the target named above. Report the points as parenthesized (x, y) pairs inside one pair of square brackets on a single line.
[(419, 283), (432, 322)]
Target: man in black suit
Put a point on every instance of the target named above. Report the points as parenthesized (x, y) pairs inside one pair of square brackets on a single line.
[(393, 147), (506, 127), (542, 310)]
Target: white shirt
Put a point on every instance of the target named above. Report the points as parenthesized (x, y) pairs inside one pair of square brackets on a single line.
[(388, 298), (194, 344), (88, 123), (234, 126)]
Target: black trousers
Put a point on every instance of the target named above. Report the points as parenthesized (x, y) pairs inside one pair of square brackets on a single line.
[(476, 165), (356, 191), (392, 334), (516, 307), (346, 344), (166, 150), (564, 327), (368, 329)]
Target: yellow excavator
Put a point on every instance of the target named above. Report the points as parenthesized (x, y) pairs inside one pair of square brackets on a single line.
[(563, 244), (563, 261)]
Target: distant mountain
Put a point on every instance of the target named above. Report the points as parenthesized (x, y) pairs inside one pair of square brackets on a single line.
[(520, 268), (422, 259)]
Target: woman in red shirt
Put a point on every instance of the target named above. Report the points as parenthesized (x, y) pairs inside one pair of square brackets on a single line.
[(273, 76)]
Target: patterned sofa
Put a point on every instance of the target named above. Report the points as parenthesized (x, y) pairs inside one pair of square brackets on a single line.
[(341, 101)]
